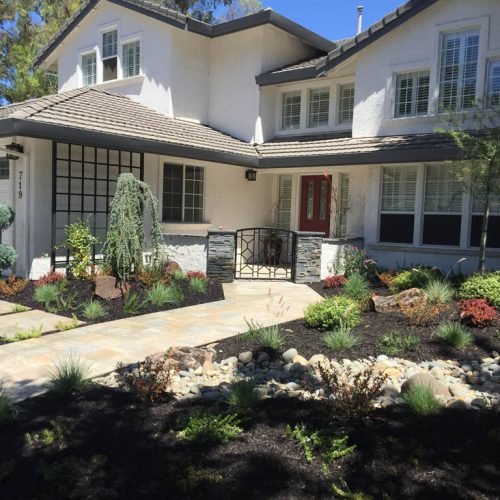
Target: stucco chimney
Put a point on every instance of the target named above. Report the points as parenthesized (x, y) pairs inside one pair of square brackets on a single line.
[(360, 19)]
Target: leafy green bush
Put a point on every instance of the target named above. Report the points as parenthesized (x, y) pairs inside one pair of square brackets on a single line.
[(178, 275), (7, 216), (79, 241), (243, 396), (341, 339), (132, 304), (160, 295), (198, 285), (421, 400), (8, 257), (357, 288), (439, 291), (94, 310), (69, 376), (8, 409), (211, 427), (331, 313), (393, 342), (455, 334), (48, 296), (417, 277), (482, 286), (264, 336)]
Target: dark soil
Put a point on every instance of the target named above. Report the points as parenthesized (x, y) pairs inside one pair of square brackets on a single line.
[(82, 291), (308, 341), (116, 447)]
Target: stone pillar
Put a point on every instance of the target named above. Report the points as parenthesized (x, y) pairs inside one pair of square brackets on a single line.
[(221, 255), (308, 257)]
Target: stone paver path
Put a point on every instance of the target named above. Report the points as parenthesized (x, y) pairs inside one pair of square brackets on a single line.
[(12, 324), (25, 366), (5, 308)]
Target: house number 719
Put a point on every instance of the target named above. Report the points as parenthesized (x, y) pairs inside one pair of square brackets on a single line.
[(20, 192)]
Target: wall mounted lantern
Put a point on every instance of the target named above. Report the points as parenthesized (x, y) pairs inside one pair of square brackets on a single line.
[(15, 148), (251, 175)]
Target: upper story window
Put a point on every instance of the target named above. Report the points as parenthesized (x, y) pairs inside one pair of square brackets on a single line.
[(4, 169), (290, 110), (131, 62), (346, 103), (319, 107), (493, 87), (109, 55), (412, 94), (89, 69), (458, 72), (183, 193)]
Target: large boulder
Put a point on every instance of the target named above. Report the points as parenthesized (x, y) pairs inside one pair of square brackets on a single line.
[(108, 288), (392, 303), (437, 388), (170, 267), (186, 358)]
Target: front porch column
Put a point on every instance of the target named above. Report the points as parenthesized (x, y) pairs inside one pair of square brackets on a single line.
[(308, 257), (221, 255)]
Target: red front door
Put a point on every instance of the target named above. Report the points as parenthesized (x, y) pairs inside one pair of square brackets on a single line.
[(315, 203)]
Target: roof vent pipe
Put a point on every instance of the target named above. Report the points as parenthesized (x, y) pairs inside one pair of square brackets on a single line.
[(360, 19)]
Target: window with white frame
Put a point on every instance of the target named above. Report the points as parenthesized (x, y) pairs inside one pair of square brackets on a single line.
[(412, 94), (89, 69), (346, 103), (183, 198), (131, 61), (4, 169), (458, 72), (442, 207), (319, 107), (342, 206), (290, 110), (493, 86), (478, 205), (284, 205), (109, 55), (397, 209)]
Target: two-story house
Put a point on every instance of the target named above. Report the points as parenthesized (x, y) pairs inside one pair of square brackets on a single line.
[(258, 122)]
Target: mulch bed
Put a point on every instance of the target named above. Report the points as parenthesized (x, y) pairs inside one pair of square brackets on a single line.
[(83, 291), (308, 341), (116, 447)]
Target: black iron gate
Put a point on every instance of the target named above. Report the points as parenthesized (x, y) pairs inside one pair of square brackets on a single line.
[(265, 253)]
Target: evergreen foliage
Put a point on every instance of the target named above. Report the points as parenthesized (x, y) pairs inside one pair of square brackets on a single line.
[(79, 240), (8, 255), (125, 241)]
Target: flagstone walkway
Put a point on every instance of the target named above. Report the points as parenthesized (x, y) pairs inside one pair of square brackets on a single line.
[(25, 366)]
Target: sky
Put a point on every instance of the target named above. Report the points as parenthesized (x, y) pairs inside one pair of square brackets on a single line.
[(333, 19)]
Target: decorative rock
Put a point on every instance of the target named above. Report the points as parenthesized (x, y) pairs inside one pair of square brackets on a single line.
[(170, 267), (479, 402), (229, 361), (317, 359), (289, 355), (437, 373), (393, 303), (108, 287), (184, 358), (195, 389), (292, 386), (300, 360), (262, 357), (246, 357), (437, 388)]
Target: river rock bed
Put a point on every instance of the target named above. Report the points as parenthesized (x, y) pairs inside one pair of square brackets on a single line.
[(471, 384)]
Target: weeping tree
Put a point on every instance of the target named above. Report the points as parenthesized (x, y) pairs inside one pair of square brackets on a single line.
[(7, 253), (125, 241)]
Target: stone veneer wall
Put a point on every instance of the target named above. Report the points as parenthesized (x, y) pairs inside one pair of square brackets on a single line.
[(221, 255), (308, 257)]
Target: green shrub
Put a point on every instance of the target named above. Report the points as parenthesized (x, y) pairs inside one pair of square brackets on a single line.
[(421, 400), (48, 296), (482, 286), (178, 275), (55, 434), (198, 285), (211, 427), (417, 277), (160, 295), (393, 343), (8, 257), (132, 304), (94, 310), (8, 409), (264, 336), (341, 339), (455, 334), (64, 326), (243, 396), (7, 216), (79, 241), (331, 313), (439, 291), (69, 376), (357, 288)]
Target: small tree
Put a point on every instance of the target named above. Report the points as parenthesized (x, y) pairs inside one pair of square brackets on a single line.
[(7, 253), (478, 169), (126, 234), (79, 240)]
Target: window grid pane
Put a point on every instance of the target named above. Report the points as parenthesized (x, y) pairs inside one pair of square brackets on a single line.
[(89, 69), (478, 204), (4, 169), (319, 107), (412, 94), (346, 103), (443, 192), (109, 44), (291, 110), (493, 91), (399, 186), (131, 59), (459, 61)]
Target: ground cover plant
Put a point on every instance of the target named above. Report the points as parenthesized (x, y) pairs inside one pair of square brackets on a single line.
[(69, 376), (421, 400), (482, 286), (476, 312), (333, 313)]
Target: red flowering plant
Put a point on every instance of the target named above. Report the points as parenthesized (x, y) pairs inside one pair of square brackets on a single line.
[(196, 274), (476, 312), (334, 281), (49, 278)]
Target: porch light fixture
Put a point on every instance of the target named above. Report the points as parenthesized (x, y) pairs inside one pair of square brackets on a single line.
[(16, 148), (251, 175)]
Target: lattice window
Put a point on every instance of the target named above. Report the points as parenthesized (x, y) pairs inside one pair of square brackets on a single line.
[(346, 103), (131, 59), (319, 107), (109, 55), (89, 69), (285, 201), (412, 94), (4, 169), (493, 90), (290, 110)]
